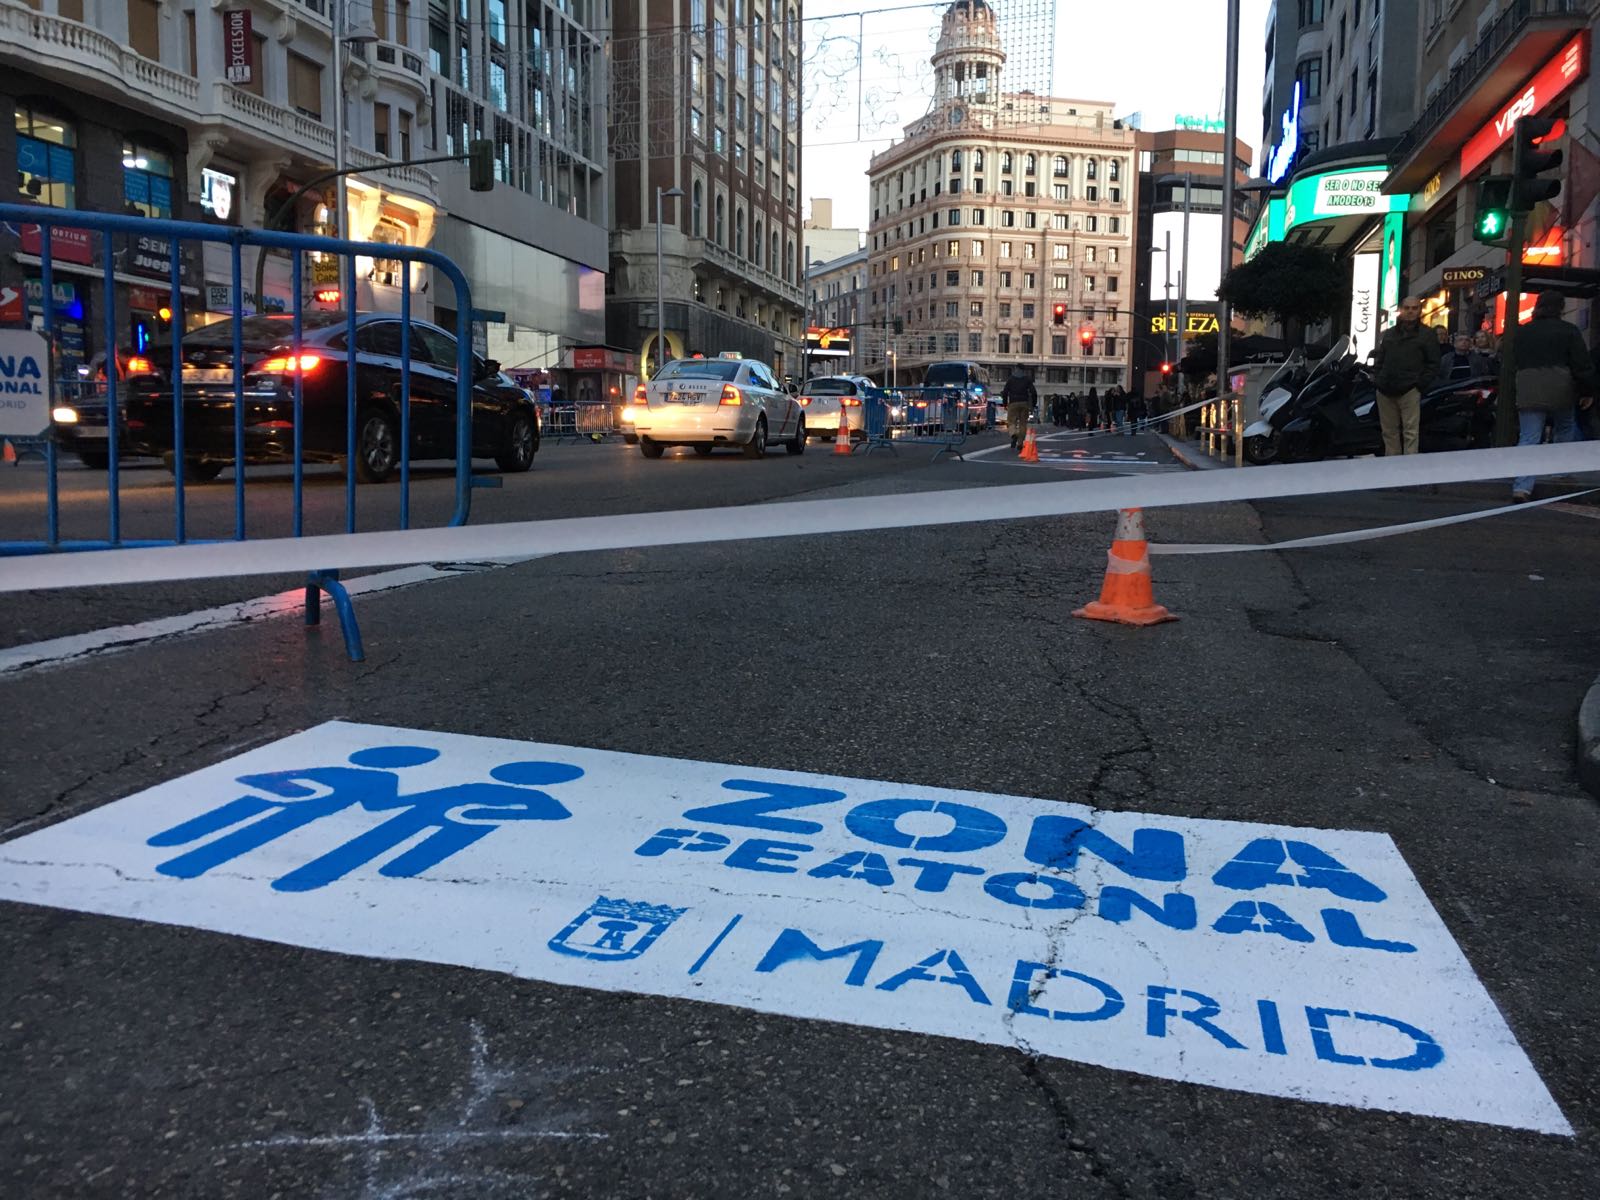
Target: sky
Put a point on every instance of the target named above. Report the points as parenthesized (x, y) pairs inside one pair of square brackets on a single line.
[(867, 74)]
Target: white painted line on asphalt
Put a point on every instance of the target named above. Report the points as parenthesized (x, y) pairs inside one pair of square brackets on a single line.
[(57, 652), (1301, 963), (953, 506)]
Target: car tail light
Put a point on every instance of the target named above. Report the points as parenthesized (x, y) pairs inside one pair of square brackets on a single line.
[(805, 401), (273, 425), (639, 394), (731, 394), (849, 402), (138, 365), (287, 364)]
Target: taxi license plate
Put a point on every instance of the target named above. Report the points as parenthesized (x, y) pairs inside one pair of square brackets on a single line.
[(683, 397)]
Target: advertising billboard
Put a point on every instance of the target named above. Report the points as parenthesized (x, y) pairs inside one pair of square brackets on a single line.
[(1205, 255)]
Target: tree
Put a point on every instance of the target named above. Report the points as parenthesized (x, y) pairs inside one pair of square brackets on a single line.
[(1293, 284), (1201, 360)]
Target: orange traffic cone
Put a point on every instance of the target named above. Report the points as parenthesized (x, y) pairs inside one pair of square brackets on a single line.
[(1030, 448), (841, 440), (1126, 596), (9, 454)]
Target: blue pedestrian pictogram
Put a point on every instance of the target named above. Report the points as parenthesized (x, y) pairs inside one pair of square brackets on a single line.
[(448, 819)]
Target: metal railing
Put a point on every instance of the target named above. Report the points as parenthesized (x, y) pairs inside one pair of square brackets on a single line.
[(115, 393)]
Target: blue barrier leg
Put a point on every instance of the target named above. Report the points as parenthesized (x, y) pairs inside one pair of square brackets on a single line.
[(328, 581)]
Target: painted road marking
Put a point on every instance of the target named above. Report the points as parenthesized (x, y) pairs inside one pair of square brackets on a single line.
[(57, 652), (1283, 961)]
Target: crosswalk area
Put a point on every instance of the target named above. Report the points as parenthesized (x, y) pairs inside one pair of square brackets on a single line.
[(1077, 453)]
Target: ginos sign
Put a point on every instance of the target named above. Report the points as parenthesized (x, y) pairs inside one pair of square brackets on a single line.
[(1571, 64)]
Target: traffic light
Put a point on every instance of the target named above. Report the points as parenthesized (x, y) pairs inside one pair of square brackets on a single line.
[(1086, 338), (1166, 368), (1529, 160), (1492, 217), (480, 165), (1060, 314)]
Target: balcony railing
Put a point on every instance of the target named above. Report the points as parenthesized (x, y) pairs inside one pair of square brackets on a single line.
[(1464, 79), (60, 41)]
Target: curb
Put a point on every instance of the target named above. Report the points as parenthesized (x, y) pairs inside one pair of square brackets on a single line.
[(1181, 453), (1589, 740)]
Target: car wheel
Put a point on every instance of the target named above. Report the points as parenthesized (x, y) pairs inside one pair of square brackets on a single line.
[(797, 444), (198, 469), (703, 450), (756, 447), (650, 449), (631, 438), (521, 444), (95, 460), (377, 446)]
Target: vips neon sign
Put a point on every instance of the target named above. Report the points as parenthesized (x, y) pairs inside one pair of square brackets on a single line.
[(1282, 156), (1554, 77)]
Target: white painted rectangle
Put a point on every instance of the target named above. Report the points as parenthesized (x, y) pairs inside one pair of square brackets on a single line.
[(1289, 962)]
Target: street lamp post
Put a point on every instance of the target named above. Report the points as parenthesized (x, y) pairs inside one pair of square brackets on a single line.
[(673, 193), (343, 36)]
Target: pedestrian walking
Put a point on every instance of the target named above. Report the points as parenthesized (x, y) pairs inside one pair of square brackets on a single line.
[(1091, 409), (1555, 378), (1020, 397), (1407, 361), (1074, 411), (1138, 412)]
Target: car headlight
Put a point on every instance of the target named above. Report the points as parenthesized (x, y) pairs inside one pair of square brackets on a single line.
[(64, 415)]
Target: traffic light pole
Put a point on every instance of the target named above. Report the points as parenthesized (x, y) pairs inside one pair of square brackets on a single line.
[(1505, 410)]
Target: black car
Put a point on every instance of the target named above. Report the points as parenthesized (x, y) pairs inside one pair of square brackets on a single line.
[(505, 420), (79, 413)]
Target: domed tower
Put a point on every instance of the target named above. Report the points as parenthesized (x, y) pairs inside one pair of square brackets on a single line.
[(968, 57)]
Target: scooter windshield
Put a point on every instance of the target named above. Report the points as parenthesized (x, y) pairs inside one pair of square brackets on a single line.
[(1335, 355)]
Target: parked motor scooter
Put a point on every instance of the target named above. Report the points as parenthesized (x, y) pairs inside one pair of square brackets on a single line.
[(1263, 437)]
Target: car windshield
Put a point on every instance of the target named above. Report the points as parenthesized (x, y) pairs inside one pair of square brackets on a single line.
[(946, 375), (700, 368), (830, 387), (260, 330)]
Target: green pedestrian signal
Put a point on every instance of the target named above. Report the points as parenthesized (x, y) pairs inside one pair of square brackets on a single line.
[(1492, 218)]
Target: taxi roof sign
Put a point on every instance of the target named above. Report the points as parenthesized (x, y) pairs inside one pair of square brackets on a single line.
[(730, 354)]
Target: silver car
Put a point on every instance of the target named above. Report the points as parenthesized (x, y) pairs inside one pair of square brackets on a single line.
[(711, 402), (833, 397)]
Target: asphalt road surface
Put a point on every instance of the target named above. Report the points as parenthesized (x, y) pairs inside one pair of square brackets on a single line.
[(1421, 687)]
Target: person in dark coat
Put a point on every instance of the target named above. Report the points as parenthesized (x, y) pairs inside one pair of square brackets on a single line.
[(1555, 378), (1464, 361), (1407, 361), (1091, 409)]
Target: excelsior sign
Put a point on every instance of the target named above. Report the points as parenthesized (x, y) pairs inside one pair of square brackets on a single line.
[(1554, 77)]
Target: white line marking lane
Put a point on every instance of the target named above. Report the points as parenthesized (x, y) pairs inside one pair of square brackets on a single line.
[(57, 652)]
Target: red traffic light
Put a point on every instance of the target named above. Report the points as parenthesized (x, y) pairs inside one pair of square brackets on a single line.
[(1166, 368), (1086, 335), (1060, 314)]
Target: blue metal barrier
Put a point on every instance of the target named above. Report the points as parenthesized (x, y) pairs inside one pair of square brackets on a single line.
[(932, 416), (102, 228)]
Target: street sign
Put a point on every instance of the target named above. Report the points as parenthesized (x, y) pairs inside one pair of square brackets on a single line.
[(1291, 962), (24, 383)]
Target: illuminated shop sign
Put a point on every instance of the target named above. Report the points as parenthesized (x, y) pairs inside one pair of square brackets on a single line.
[(1569, 65)]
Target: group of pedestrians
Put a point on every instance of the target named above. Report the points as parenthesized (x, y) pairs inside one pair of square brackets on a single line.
[(1117, 410), (1557, 377)]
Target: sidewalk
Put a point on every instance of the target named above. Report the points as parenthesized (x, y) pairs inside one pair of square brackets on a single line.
[(1191, 456)]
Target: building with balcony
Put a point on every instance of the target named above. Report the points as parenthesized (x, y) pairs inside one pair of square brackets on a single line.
[(1179, 170), (1480, 67), (995, 208), (705, 100), (838, 339), (185, 110)]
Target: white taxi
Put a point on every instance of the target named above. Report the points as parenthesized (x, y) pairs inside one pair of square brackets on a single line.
[(711, 402), (834, 397)]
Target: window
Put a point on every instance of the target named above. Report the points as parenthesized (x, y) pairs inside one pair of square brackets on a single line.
[(380, 129), (1005, 162), (1027, 311), (1112, 282), (146, 179), (1005, 249), (952, 343), (950, 309), (1091, 168), (974, 343), (1111, 347), (955, 187), (977, 249), (738, 233), (1089, 253), (1058, 220), (305, 85), (144, 27), (976, 308), (258, 78), (1030, 250), (1062, 252), (1088, 283), (1111, 254), (1003, 343), (1309, 76), (697, 128), (1114, 169), (717, 234), (1030, 220), (1029, 280), (1005, 280), (1007, 188), (977, 216), (1091, 193), (1059, 192), (1008, 219), (951, 249), (1058, 344), (46, 165), (1030, 188), (1030, 165), (955, 160), (697, 209), (977, 187), (977, 280), (1027, 343), (977, 161), (1058, 166), (1091, 224), (1310, 12), (1060, 281), (405, 135), (952, 279), (1005, 309), (1115, 224), (953, 217)]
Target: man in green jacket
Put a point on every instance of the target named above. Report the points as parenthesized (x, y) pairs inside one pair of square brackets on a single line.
[(1408, 360), (1554, 372)]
